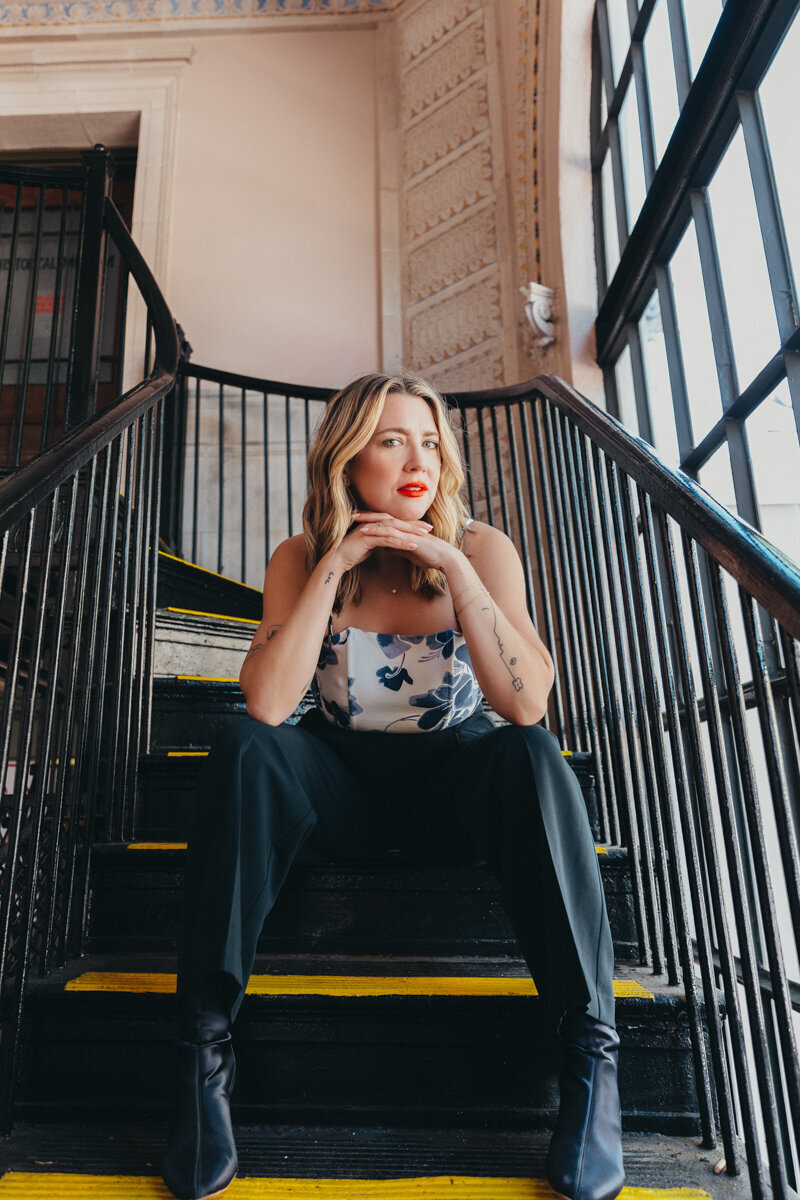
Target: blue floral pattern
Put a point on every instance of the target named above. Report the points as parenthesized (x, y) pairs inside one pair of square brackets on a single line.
[(364, 681)]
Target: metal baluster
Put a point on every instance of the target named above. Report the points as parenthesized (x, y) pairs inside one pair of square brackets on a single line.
[(221, 503), (487, 483), (155, 525), (121, 653), (467, 456), (641, 756), (267, 543), (88, 753), (603, 688), (501, 478), (576, 712), (21, 808), (744, 832), (28, 350), (196, 466), (693, 796), (549, 579), (54, 326), (524, 548), (787, 839), (12, 261), (243, 575), (71, 676), (139, 618), (576, 627), (289, 465), (737, 1068), (48, 783), (651, 730), (641, 867)]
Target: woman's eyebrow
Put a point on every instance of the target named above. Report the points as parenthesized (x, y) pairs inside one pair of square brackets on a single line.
[(407, 432)]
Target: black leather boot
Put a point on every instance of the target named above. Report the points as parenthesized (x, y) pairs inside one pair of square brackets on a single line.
[(201, 1156), (584, 1161)]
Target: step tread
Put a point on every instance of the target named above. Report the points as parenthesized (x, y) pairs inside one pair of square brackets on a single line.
[(129, 977), (314, 1152)]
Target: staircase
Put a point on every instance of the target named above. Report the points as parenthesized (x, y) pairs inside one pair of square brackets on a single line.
[(391, 1032)]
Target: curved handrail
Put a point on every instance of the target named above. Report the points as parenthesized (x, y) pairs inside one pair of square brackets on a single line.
[(771, 578), (20, 492)]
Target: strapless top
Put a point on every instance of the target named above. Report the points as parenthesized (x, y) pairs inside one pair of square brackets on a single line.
[(395, 683)]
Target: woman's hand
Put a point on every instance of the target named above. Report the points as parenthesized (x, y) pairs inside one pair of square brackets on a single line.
[(429, 551), (379, 529)]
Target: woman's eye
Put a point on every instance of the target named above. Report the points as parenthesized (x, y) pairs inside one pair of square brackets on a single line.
[(390, 441), (433, 445)]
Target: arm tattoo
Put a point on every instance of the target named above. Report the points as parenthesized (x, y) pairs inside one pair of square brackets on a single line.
[(329, 576), (273, 629), (515, 679)]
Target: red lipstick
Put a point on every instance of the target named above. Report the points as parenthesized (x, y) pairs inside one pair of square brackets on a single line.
[(413, 489)]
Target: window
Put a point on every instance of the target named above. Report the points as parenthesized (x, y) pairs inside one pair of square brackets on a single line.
[(697, 199)]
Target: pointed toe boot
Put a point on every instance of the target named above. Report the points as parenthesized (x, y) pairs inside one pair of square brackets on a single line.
[(201, 1156), (584, 1161)]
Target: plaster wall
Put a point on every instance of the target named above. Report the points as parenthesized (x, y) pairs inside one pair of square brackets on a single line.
[(273, 261)]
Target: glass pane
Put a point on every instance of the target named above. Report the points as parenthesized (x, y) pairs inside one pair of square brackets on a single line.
[(717, 478), (751, 312), (620, 30), (661, 77), (632, 159), (662, 411), (702, 382), (701, 21), (625, 392), (609, 218), (780, 95), (775, 454)]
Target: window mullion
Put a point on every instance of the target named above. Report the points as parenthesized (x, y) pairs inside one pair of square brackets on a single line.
[(598, 157), (640, 392), (680, 48), (677, 374), (781, 279), (618, 174), (741, 466), (606, 58), (646, 131)]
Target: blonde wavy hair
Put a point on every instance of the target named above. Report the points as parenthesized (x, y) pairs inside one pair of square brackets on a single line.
[(350, 420)]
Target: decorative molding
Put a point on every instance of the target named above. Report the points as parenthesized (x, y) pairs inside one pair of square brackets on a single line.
[(462, 250), (18, 14), (437, 74), (450, 126), (463, 181), (428, 23), (456, 323), (473, 371)]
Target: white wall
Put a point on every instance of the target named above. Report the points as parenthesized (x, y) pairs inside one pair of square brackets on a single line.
[(273, 267)]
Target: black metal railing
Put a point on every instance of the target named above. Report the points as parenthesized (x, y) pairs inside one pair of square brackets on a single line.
[(235, 468), (62, 303), (78, 558), (675, 628)]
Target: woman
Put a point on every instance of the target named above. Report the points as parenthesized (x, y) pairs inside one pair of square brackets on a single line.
[(402, 612)]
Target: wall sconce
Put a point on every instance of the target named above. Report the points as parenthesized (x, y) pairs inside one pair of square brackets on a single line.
[(539, 311)]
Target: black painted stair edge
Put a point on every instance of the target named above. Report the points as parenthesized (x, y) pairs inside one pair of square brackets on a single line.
[(182, 584)]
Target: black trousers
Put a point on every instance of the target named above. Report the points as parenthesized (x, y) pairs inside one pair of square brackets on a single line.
[(271, 796)]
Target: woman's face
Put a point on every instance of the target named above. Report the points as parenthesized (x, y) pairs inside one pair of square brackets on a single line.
[(398, 471)]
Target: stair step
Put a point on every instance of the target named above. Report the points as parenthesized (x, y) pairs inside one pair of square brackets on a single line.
[(357, 908), (189, 642), (182, 584), (669, 1168), (468, 1187), (447, 1058)]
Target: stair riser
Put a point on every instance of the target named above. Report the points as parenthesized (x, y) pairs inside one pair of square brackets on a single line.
[(325, 910), (377, 1059)]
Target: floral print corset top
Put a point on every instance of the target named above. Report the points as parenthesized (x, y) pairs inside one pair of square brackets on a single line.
[(394, 683)]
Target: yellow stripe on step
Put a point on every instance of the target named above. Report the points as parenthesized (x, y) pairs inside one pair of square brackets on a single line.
[(205, 679), (193, 612), (187, 754), (340, 985), (157, 846), (44, 1185)]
